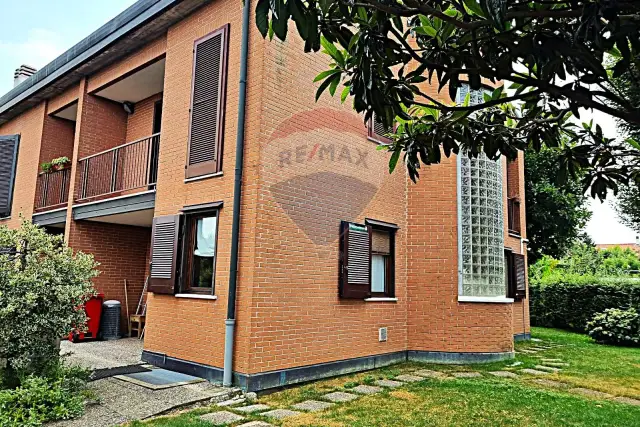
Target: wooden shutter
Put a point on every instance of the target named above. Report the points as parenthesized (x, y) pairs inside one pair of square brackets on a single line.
[(8, 161), (378, 131), (207, 104), (520, 276), (165, 236), (355, 261)]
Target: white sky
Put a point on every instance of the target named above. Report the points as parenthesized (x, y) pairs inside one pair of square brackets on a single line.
[(43, 29)]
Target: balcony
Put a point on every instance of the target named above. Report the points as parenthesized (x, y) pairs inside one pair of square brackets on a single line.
[(122, 170), (513, 216), (53, 189)]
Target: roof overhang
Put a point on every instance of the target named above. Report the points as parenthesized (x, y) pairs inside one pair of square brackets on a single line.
[(141, 23)]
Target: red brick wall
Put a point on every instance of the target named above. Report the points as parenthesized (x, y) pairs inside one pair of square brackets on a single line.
[(57, 138), (104, 125), (140, 123), (122, 252)]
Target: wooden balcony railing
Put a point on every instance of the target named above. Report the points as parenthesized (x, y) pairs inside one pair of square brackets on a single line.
[(513, 213), (124, 168), (53, 189)]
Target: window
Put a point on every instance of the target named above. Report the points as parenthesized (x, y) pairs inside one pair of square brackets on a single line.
[(199, 253), (515, 274), (183, 251), (367, 260), (481, 256), (207, 104), (377, 131), (8, 162)]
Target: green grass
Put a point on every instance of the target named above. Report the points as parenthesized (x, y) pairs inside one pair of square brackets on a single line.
[(486, 401)]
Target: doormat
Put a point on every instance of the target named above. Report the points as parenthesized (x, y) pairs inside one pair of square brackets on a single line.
[(99, 374), (158, 379)]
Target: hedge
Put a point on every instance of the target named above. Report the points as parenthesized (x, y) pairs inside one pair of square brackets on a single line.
[(570, 301)]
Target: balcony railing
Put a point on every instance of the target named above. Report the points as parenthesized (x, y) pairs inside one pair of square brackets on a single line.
[(53, 189), (513, 213), (121, 169)]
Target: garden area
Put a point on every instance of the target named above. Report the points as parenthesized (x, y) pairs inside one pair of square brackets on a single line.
[(583, 384)]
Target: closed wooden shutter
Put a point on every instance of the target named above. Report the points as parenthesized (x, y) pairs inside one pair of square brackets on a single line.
[(355, 261), (207, 104), (8, 161), (165, 236), (378, 131), (520, 276)]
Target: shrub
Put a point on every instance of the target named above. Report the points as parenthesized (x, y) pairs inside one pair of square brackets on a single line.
[(43, 285), (614, 326), (571, 301), (41, 399)]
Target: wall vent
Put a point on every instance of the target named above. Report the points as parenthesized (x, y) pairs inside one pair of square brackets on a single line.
[(382, 334)]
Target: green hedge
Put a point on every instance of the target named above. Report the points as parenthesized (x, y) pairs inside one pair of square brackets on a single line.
[(570, 301)]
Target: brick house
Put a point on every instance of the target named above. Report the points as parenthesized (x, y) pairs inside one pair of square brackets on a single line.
[(327, 263)]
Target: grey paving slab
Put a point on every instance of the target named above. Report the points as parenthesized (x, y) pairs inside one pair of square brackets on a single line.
[(256, 424), (250, 409), (525, 351), (556, 364), (94, 416), (280, 414), (537, 348), (389, 383), (590, 393), (103, 354), (627, 400), (366, 389), (339, 396), (406, 378), (312, 406), (466, 374), (221, 418), (533, 372), (503, 374), (550, 383), (544, 359), (430, 374), (548, 368)]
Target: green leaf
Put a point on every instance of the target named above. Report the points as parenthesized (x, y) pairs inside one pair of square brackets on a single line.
[(344, 94), (635, 144), (473, 6), (323, 86), (393, 161), (426, 30), (262, 17), (335, 79), (329, 47), (325, 74)]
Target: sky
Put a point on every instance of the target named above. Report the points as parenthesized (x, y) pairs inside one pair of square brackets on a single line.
[(34, 32)]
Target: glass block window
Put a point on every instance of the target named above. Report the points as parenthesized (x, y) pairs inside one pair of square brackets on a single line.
[(480, 219)]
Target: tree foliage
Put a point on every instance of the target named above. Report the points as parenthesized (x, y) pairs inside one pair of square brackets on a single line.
[(556, 212), (384, 51), (43, 285), (628, 206)]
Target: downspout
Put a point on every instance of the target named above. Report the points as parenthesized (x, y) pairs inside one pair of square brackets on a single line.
[(230, 322)]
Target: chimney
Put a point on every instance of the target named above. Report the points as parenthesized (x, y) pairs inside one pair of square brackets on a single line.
[(22, 74)]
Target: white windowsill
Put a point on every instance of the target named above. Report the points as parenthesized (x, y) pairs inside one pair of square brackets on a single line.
[(381, 299), (196, 296), (498, 300), (198, 178)]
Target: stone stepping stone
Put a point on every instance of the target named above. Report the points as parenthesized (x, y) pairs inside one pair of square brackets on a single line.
[(545, 360), (389, 383), (516, 363), (627, 400), (430, 374), (221, 418), (503, 374), (366, 389), (533, 372), (536, 340), (256, 424), (312, 406), (280, 414), (550, 383), (548, 368), (252, 408), (538, 348), (590, 393), (556, 364), (466, 374), (409, 378), (340, 397), (526, 351)]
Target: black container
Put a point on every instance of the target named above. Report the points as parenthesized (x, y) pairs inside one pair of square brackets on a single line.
[(110, 322)]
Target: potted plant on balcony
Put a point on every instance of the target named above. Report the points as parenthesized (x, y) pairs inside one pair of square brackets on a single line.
[(46, 167), (60, 163)]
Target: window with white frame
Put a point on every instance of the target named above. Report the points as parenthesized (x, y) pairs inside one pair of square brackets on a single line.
[(480, 222)]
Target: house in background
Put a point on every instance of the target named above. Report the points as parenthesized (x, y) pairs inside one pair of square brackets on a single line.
[(633, 246), (327, 263)]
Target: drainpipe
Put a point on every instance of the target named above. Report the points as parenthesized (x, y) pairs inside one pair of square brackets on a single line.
[(230, 322)]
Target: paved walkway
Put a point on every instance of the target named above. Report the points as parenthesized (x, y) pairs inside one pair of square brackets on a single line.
[(100, 355)]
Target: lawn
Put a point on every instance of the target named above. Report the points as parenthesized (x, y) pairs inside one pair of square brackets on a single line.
[(482, 401)]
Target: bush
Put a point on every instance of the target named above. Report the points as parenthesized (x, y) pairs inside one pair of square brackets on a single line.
[(40, 399), (43, 285), (614, 326), (571, 301)]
